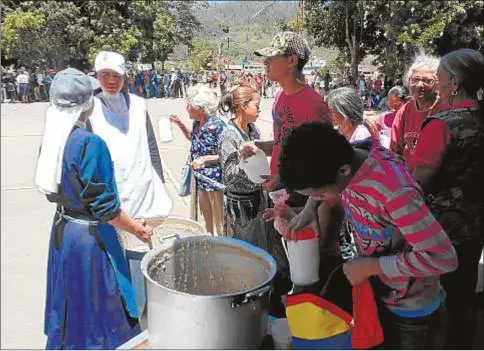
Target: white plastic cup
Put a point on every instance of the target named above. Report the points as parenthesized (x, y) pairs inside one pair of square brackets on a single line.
[(279, 197), (255, 166), (281, 334), (303, 255), (165, 129)]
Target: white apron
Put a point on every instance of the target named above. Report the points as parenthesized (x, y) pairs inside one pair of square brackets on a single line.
[(141, 192)]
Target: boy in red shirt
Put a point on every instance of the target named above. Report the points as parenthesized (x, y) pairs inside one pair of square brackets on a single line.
[(296, 103)]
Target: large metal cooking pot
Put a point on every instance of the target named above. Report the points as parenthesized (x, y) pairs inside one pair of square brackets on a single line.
[(136, 249), (207, 292)]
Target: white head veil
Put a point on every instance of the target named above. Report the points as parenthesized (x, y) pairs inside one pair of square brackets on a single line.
[(71, 95)]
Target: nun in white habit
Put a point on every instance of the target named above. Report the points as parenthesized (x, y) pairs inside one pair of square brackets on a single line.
[(122, 120)]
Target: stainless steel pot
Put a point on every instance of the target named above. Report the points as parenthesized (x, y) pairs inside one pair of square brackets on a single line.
[(136, 249), (207, 292)]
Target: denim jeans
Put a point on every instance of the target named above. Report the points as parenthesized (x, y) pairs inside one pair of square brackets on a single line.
[(403, 333)]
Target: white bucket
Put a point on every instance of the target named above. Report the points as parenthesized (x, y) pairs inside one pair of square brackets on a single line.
[(304, 259), (281, 335), (165, 129), (255, 166)]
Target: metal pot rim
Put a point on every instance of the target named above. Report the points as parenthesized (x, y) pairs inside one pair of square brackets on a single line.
[(225, 240), (138, 255)]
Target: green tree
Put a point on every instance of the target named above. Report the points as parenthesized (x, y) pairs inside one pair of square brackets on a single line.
[(436, 26), (201, 55), (395, 30), (338, 64), (113, 28), (22, 36), (164, 34), (347, 25), (282, 25), (51, 32)]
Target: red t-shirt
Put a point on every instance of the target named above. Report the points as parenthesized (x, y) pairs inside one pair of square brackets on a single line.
[(433, 141), (290, 111), (384, 122), (406, 130)]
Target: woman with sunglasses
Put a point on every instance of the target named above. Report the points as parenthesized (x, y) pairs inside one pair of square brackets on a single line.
[(421, 80)]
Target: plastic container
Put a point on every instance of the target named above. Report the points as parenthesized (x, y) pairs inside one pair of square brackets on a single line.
[(165, 129), (255, 166), (279, 197), (281, 335), (303, 255)]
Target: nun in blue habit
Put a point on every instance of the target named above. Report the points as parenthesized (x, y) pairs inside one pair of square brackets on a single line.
[(90, 300)]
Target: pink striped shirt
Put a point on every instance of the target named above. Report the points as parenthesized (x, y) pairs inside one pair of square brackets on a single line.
[(390, 219)]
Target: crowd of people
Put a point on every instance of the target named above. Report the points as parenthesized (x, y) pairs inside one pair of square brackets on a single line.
[(26, 85), (397, 202), (174, 83)]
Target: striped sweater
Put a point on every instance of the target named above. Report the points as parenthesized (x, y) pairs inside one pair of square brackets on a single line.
[(386, 208)]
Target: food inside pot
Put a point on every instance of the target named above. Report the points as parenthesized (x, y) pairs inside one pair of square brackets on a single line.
[(201, 266), (162, 227), (169, 229)]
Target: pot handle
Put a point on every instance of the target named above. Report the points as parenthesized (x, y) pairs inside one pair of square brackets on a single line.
[(250, 296), (172, 236)]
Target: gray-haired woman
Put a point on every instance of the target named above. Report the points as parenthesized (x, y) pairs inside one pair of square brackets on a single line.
[(202, 104), (421, 80), (347, 113), (397, 97), (450, 167)]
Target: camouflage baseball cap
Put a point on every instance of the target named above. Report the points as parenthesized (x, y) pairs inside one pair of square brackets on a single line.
[(286, 43)]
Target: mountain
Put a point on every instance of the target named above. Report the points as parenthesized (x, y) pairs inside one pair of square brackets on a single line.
[(246, 33)]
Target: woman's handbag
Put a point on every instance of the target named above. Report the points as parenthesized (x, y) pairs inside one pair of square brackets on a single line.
[(186, 178)]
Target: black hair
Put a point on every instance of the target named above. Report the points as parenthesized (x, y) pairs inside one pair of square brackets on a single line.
[(312, 155), (301, 63), (468, 66), (233, 100), (226, 104)]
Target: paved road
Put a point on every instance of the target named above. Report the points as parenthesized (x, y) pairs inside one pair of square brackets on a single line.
[(26, 216)]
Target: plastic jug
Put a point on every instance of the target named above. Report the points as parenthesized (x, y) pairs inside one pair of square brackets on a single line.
[(165, 129), (303, 255), (255, 166)]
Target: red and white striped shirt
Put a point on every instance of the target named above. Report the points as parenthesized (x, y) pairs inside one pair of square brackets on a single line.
[(386, 207)]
